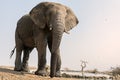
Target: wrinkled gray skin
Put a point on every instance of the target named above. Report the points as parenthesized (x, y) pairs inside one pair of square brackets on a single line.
[(58, 19), (51, 20)]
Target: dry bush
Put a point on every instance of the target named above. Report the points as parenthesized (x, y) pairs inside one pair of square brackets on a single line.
[(116, 71)]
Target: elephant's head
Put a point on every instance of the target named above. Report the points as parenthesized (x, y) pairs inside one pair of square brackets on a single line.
[(57, 17)]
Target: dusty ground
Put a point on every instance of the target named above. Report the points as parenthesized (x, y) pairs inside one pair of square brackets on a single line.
[(7, 73)]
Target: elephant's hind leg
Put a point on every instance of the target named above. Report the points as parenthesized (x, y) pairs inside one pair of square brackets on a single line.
[(27, 51), (18, 59)]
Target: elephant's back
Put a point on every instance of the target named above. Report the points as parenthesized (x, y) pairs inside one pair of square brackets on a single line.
[(25, 26), (25, 30)]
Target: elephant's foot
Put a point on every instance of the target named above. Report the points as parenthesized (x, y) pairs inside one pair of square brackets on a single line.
[(41, 72), (17, 69), (58, 74), (26, 69)]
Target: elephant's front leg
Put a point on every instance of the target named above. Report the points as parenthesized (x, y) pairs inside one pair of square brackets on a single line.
[(55, 59), (41, 59), (58, 73), (41, 44), (58, 62)]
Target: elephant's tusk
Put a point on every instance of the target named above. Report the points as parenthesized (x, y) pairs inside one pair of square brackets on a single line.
[(67, 32), (50, 28)]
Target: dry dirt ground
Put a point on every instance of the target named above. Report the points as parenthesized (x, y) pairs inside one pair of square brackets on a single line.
[(7, 73)]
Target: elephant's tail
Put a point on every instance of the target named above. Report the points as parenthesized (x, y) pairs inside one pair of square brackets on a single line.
[(12, 52)]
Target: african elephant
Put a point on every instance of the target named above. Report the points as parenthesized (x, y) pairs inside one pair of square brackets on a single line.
[(24, 42), (51, 20), (24, 37)]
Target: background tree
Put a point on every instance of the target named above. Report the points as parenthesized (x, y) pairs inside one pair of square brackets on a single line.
[(83, 65)]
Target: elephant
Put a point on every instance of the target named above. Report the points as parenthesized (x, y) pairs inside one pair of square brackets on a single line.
[(44, 25), (24, 42), (51, 21)]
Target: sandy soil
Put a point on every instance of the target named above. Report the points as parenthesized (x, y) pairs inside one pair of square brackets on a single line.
[(7, 73)]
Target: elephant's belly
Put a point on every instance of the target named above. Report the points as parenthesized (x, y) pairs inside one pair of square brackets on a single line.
[(29, 42)]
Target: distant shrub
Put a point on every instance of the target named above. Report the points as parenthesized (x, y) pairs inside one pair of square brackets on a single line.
[(94, 71), (116, 71)]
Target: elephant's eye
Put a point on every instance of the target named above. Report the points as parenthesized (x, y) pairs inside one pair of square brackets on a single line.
[(36, 13)]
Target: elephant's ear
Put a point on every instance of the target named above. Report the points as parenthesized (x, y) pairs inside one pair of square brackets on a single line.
[(38, 16), (70, 20)]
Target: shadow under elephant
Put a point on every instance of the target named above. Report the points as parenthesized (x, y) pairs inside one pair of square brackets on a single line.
[(11, 71)]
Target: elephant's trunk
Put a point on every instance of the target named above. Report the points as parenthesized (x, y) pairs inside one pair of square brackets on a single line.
[(57, 36), (58, 29)]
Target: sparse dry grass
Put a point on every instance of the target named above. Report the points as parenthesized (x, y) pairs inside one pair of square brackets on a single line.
[(7, 73)]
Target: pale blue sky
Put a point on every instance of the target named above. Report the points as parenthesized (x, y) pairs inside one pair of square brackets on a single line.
[(96, 39)]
